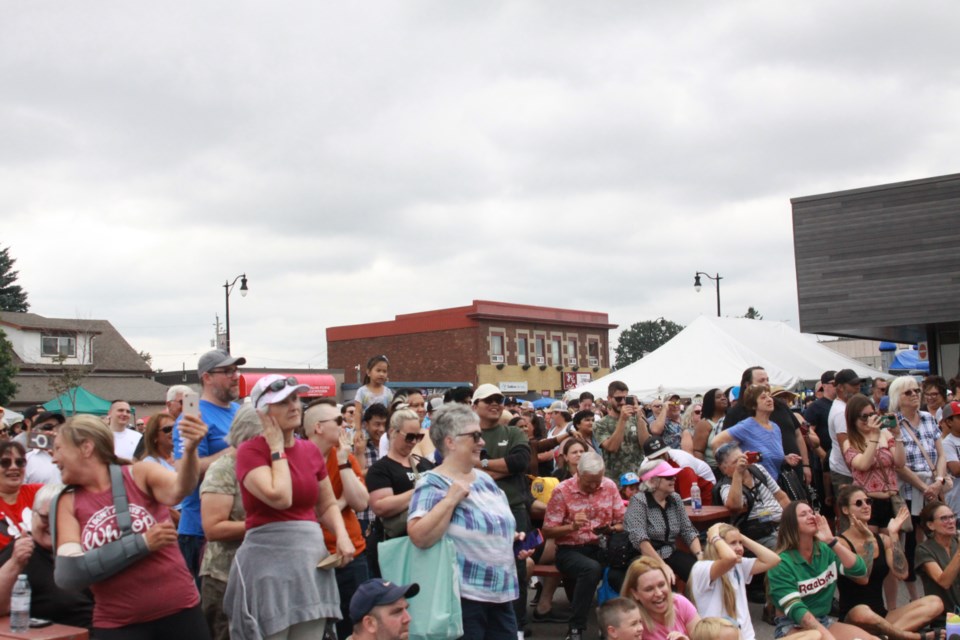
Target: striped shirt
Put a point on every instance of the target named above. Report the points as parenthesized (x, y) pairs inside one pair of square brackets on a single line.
[(482, 529)]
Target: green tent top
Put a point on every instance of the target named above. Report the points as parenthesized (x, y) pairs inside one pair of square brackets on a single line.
[(78, 400)]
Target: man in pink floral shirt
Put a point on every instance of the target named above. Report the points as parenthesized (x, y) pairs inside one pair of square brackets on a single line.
[(580, 507)]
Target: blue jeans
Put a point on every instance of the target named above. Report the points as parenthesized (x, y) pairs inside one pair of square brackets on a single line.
[(488, 620), (348, 579), (192, 549)]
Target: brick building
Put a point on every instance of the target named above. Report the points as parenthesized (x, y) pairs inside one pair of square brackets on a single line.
[(522, 348)]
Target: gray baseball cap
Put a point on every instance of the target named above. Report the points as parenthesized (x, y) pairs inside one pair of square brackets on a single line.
[(217, 358)]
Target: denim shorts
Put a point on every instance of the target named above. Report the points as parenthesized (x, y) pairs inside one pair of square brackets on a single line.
[(785, 625)]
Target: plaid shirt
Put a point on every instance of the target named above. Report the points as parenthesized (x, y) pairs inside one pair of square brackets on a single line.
[(927, 434)]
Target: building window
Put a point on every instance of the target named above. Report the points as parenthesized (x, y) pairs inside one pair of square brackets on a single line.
[(593, 353), (540, 347), (572, 356), (54, 346), (555, 351), (496, 348), (522, 352)]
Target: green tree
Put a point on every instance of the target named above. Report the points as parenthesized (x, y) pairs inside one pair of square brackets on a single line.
[(753, 314), (8, 370), (146, 357), (12, 296), (641, 338)]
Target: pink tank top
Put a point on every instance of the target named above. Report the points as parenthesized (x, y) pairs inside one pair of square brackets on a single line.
[(153, 587)]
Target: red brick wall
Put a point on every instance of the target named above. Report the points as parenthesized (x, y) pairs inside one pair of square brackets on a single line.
[(436, 356)]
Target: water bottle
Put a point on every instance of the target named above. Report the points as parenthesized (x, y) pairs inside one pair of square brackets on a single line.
[(20, 605), (695, 500)]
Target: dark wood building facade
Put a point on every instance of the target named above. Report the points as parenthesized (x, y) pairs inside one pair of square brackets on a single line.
[(883, 262)]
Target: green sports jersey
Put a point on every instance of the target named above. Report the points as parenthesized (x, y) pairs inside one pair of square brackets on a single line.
[(798, 586)]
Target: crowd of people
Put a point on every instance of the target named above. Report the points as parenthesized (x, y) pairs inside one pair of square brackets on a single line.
[(264, 519)]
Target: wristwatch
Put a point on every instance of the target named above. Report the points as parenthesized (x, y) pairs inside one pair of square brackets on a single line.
[(485, 463), (833, 542), (278, 455), (345, 465)]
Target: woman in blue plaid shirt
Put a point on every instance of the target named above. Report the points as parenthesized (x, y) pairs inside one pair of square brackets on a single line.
[(924, 478)]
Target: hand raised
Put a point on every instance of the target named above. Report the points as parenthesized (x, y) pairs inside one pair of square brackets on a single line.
[(458, 491), (271, 432), (192, 430)]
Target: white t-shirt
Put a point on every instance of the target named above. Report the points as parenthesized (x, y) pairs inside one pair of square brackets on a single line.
[(125, 443), (708, 596), (837, 423), (685, 459), (40, 468), (951, 452)]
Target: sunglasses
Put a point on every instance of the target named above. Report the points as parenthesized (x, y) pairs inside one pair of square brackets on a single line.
[(48, 427), (492, 400), (863, 417), (911, 392), (697, 411), (413, 438), (167, 429), (6, 462), (338, 420), (476, 435), (862, 501)]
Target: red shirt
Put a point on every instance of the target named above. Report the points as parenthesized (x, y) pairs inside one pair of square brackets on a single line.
[(154, 587), (15, 511), (306, 470), (603, 507), (349, 515)]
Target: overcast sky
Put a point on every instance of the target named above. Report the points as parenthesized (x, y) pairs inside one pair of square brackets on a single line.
[(360, 160)]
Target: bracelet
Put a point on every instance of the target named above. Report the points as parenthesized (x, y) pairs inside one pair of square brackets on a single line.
[(345, 465), (714, 539), (873, 441), (833, 542)]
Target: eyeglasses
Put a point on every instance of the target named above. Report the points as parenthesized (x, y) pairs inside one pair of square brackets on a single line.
[(863, 417), (167, 429), (476, 435), (656, 406), (227, 371), (859, 502), (338, 420), (413, 438), (931, 394), (948, 518), (911, 392), (6, 462), (492, 400)]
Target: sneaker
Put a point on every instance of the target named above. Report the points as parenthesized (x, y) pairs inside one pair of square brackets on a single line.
[(574, 634)]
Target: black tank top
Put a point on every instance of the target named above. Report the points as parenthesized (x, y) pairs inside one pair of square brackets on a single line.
[(870, 594)]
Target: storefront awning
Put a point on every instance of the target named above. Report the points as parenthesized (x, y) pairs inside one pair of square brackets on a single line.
[(321, 384)]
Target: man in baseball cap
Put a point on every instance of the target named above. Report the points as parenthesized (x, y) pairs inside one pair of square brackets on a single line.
[(219, 391), (378, 610)]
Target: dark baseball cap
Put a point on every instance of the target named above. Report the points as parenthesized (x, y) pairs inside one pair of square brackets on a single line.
[(654, 447), (376, 593), (49, 415), (847, 376), (828, 377)]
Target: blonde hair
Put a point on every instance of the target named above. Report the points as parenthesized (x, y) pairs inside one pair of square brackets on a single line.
[(727, 590), (710, 628), (86, 428), (637, 568)]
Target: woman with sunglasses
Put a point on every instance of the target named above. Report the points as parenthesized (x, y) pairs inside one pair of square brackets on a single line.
[(861, 599), (15, 496), (158, 441), (391, 479), (874, 455), (464, 504), (924, 476), (938, 557), (223, 516), (275, 588)]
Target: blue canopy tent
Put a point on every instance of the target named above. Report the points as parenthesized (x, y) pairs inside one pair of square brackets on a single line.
[(543, 402), (909, 360)]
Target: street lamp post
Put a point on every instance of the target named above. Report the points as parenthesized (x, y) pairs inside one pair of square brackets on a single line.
[(717, 278), (227, 288)]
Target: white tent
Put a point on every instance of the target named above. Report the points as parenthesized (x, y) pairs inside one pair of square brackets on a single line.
[(10, 416), (714, 352)]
